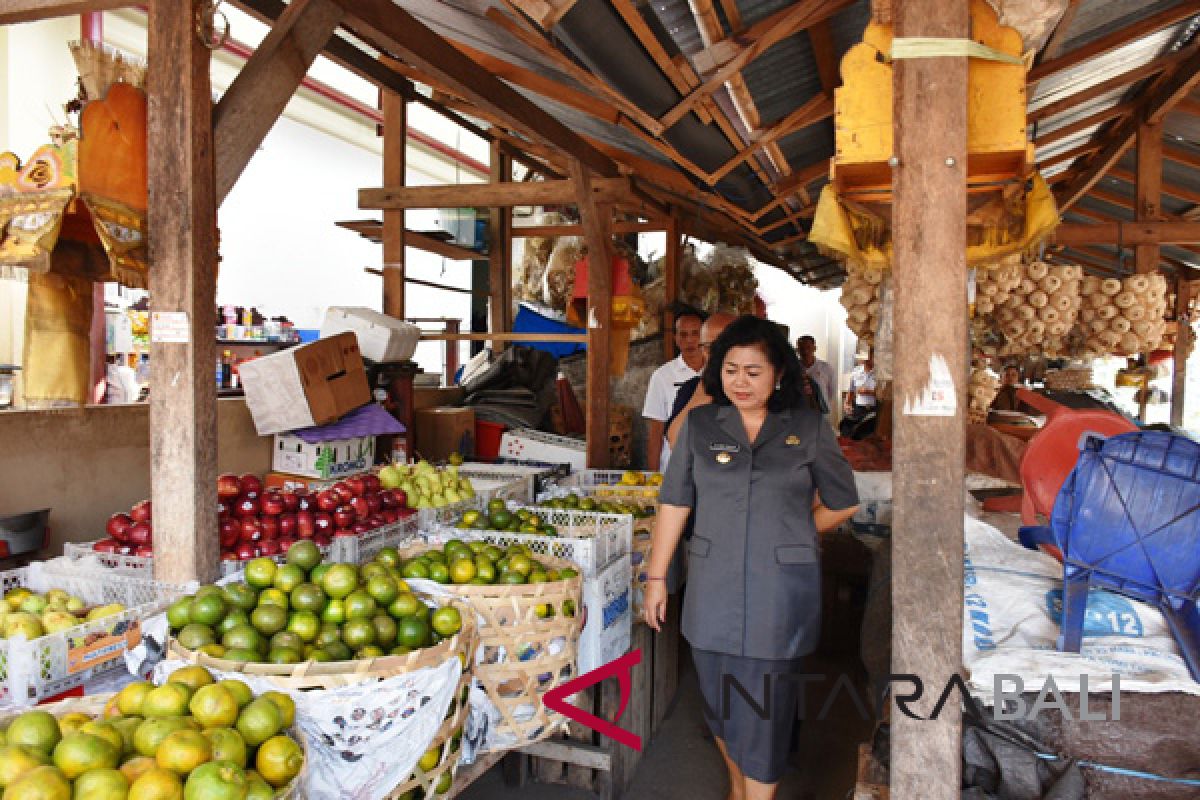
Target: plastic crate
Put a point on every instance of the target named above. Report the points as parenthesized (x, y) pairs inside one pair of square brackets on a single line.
[(360, 548), (36, 669), (607, 483), (493, 483), (144, 565), (590, 539)]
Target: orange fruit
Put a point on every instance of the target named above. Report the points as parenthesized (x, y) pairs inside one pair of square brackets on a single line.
[(259, 721), (157, 784), (129, 699), (168, 700), (40, 783), (447, 621), (102, 784), (279, 760), (214, 707), (78, 753), (183, 751), (16, 760), (136, 767), (285, 704), (227, 745), (35, 729), (192, 677), (216, 780)]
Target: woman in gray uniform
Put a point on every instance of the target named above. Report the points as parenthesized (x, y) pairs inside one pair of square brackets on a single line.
[(750, 466)]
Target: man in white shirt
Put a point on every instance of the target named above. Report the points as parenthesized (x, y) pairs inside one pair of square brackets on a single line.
[(860, 402), (665, 382), (820, 371)]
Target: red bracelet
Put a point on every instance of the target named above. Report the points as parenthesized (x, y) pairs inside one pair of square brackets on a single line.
[(656, 577)]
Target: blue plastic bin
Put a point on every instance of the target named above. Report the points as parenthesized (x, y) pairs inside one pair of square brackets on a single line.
[(1128, 519), (530, 321)]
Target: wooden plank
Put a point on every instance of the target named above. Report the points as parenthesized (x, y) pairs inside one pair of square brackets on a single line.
[(1183, 341), (14, 11), (1129, 233), (681, 75), (666, 664), (182, 226), (1104, 87), (1068, 155), (929, 272), (259, 93), (545, 13), (387, 26), (504, 336), (618, 226), (500, 241), (472, 772), (456, 195), (1115, 39), (596, 218), (395, 144), (820, 36), (1061, 29), (1086, 123), (1168, 90), (758, 39), (1181, 155), (670, 287), (1148, 190), (813, 111), (580, 754)]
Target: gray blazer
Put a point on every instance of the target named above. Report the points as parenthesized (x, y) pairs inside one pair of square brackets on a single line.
[(754, 581)]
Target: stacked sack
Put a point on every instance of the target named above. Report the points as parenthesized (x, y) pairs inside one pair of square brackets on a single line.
[(735, 279), (860, 298), (1040, 311), (981, 391), (1124, 317), (993, 287)]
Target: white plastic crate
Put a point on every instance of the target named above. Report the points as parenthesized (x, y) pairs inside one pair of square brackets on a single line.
[(532, 445), (31, 670), (357, 549), (607, 483), (590, 539), (489, 484), (608, 623), (431, 518), (144, 565)]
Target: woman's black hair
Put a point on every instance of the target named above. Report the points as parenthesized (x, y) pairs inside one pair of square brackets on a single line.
[(751, 331)]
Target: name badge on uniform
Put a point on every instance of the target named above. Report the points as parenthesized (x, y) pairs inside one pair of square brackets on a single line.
[(724, 452), (792, 440)]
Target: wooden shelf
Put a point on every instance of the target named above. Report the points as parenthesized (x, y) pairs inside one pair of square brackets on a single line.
[(371, 230), (254, 343)]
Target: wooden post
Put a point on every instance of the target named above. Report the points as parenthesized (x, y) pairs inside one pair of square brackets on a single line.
[(500, 244), (671, 287), (1183, 341), (452, 326), (1148, 188), (395, 140), (597, 221), (930, 352), (182, 224)]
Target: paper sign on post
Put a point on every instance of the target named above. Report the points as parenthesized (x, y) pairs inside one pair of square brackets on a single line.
[(169, 326), (938, 398)]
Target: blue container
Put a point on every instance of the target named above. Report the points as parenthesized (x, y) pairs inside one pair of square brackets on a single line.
[(1127, 519), (530, 321)]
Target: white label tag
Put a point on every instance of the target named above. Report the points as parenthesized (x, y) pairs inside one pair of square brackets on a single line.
[(169, 326), (937, 399)]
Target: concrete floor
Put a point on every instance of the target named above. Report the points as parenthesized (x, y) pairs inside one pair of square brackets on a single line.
[(682, 763)]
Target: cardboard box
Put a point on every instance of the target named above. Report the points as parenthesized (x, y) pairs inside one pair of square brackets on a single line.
[(380, 337), (445, 430), (310, 385), (337, 458), (284, 481), (608, 624)]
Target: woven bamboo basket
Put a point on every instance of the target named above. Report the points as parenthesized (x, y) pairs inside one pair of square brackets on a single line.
[(546, 648), (443, 740), (336, 674), (643, 534), (93, 706)]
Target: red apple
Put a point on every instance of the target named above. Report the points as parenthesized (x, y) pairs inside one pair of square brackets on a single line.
[(106, 546), (269, 547), (389, 515), (360, 528), (343, 517), (250, 485), (323, 522), (305, 502), (141, 512), (144, 551), (357, 485), (118, 526), (328, 500), (140, 533), (272, 503), (270, 527), (322, 540), (343, 491), (291, 502), (228, 487), (287, 524), (246, 551), (374, 502), (401, 499), (388, 499), (251, 529), (247, 507), (305, 527), (362, 509), (286, 542), (229, 533), (371, 482)]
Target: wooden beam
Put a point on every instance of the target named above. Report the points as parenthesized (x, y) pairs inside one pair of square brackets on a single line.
[(759, 38), (1129, 233), (386, 26), (796, 182), (395, 145), (1068, 155), (14, 11), (572, 229), (1115, 39), (680, 74), (500, 238), (596, 218), (671, 261), (456, 195), (259, 93), (1104, 87), (182, 226), (1188, 105), (815, 110), (1148, 190), (1183, 341), (1181, 155), (503, 336), (1085, 123), (1175, 190), (1061, 30), (545, 13), (929, 450), (820, 37), (1174, 84)]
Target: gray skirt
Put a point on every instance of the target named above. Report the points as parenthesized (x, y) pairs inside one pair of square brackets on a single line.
[(757, 735)]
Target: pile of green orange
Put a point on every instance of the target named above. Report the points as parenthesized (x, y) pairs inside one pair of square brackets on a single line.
[(497, 517), (192, 738), (481, 563), (305, 610), (583, 502)]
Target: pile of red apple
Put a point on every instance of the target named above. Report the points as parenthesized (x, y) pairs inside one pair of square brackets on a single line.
[(254, 522)]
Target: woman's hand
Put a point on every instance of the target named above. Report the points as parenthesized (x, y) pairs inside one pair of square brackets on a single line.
[(654, 604)]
